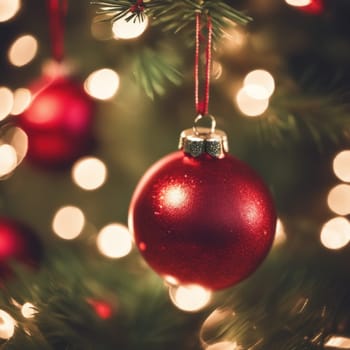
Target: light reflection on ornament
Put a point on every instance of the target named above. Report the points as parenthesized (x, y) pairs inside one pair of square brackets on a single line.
[(259, 84), (102, 84), (190, 298), (123, 29), (22, 99), (341, 165), (28, 310), (174, 196), (7, 325), (68, 222), (114, 241), (250, 106), (335, 233), (89, 173), (6, 102), (23, 50), (339, 199), (8, 159), (8, 9)]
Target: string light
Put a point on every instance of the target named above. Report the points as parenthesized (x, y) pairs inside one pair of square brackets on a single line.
[(21, 100), (68, 222), (6, 102), (7, 325), (338, 342), (123, 29), (89, 173), (299, 3), (8, 159), (335, 233), (259, 84), (250, 106), (114, 241), (190, 298), (341, 165), (23, 50), (339, 199), (102, 84), (8, 9), (28, 310)]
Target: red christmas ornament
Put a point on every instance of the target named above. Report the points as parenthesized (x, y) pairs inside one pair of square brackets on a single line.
[(18, 243), (58, 122), (201, 216), (315, 7)]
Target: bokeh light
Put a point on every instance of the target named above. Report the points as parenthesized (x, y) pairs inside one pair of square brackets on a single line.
[(224, 345), (68, 222), (8, 159), (23, 50), (18, 139), (280, 235), (7, 325), (335, 233), (298, 3), (114, 241), (123, 29), (6, 102), (21, 100), (102, 84), (341, 165), (28, 310), (339, 199), (337, 342), (259, 84), (250, 106), (89, 173), (8, 9), (190, 298)]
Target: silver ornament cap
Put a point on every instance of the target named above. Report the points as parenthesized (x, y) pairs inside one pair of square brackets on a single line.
[(201, 140)]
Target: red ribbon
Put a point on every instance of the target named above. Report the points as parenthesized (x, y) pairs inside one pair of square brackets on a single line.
[(202, 106)]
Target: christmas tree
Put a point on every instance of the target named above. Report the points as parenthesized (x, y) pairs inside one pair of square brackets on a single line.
[(93, 94)]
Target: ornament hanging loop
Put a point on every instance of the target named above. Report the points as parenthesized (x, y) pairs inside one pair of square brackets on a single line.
[(200, 117)]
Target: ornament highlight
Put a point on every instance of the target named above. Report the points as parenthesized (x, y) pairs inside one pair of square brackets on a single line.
[(201, 215)]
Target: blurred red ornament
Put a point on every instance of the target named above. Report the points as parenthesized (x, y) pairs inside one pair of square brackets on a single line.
[(58, 122), (19, 244), (102, 308), (202, 217), (315, 7)]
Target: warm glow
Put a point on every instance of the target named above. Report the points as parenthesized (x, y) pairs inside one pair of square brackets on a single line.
[(8, 9), (23, 50), (299, 3), (249, 106), (189, 298), (114, 241), (8, 159), (217, 69), (338, 342), (7, 325), (224, 345), (341, 165), (89, 173), (174, 197), (339, 199), (335, 233), (28, 310), (259, 84), (102, 84), (123, 29), (68, 222), (6, 102), (22, 98), (19, 141), (280, 235)]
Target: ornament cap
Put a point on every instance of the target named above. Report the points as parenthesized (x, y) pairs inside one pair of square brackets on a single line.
[(200, 140)]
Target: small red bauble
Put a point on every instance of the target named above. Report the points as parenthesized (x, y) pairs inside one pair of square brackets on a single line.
[(19, 244), (202, 219), (58, 122)]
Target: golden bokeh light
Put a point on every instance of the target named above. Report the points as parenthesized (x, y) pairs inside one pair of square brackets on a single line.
[(250, 106), (339, 199), (6, 102), (337, 342), (8, 9), (224, 345), (68, 222), (8, 159), (190, 298), (280, 235), (259, 84), (123, 29), (102, 84), (335, 233), (341, 165), (21, 100), (28, 310), (298, 3), (89, 173), (23, 50), (7, 325)]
